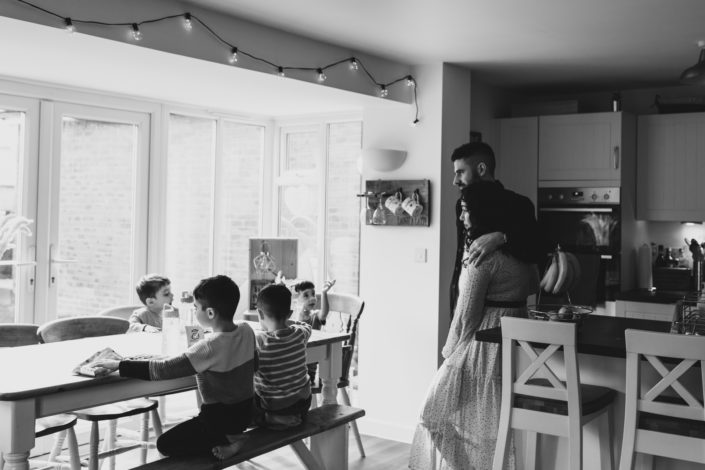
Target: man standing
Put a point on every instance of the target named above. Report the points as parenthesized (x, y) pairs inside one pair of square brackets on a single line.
[(474, 162)]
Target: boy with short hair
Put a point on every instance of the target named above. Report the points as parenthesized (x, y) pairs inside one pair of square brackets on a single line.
[(306, 304), (154, 292), (282, 388), (224, 365)]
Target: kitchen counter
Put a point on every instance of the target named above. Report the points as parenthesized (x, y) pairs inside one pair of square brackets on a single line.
[(654, 297), (598, 335)]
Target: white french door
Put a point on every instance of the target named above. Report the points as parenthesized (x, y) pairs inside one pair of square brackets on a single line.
[(86, 190), (19, 150)]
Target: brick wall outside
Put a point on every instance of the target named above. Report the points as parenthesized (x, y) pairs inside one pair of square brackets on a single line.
[(343, 207), (95, 215)]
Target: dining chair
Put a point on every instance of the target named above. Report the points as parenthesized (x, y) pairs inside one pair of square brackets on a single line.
[(351, 306), (534, 399), (62, 425), (121, 311), (64, 329), (655, 422)]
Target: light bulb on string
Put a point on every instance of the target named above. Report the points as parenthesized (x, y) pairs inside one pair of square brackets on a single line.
[(136, 33), (383, 92), (414, 123), (233, 55), (70, 28), (188, 25), (410, 81), (321, 76), (280, 71), (353, 64)]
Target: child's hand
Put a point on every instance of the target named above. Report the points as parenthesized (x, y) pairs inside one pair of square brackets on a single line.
[(150, 329), (109, 364), (327, 285)]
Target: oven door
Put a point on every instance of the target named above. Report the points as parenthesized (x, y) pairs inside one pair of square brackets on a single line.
[(581, 229)]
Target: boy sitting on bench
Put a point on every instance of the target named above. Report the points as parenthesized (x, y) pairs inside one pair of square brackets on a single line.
[(282, 387), (224, 364)]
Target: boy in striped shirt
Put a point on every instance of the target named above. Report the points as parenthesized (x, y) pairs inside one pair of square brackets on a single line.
[(282, 387)]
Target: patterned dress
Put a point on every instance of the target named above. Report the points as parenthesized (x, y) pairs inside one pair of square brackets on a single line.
[(458, 423)]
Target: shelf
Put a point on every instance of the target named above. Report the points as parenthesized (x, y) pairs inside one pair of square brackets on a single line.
[(17, 263)]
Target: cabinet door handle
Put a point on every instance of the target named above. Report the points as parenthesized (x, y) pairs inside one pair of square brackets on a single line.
[(615, 154)]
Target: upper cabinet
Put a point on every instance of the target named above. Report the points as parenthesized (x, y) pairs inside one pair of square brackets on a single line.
[(574, 147), (517, 151), (671, 167)]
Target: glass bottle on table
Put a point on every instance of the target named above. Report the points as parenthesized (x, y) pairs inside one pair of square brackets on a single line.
[(171, 331), (660, 261)]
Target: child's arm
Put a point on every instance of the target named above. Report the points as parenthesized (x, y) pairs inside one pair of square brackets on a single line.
[(323, 312), (157, 369), (137, 325)]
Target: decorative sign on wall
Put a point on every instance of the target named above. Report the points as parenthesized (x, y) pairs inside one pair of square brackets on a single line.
[(397, 202)]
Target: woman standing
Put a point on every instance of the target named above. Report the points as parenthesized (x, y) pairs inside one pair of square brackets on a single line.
[(458, 425)]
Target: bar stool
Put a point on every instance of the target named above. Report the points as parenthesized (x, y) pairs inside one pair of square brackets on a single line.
[(536, 400), (658, 424), (16, 334), (65, 329)]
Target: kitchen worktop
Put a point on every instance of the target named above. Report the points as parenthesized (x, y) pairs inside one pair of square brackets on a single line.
[(598, 335), (654, 296)]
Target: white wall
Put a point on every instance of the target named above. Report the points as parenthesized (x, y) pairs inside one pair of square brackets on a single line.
[(402, 330)]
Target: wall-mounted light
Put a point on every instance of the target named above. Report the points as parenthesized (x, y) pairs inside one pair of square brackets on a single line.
[(695, 74), (383, 159)]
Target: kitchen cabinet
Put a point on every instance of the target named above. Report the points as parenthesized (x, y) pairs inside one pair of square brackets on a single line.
[(671, 167), (517, 155), (578, 147), (645, 310)]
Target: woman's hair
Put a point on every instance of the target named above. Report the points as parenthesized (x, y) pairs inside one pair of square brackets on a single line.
[(487, 203)]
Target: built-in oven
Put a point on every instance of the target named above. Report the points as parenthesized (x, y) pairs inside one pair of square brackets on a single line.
[(584, 221)]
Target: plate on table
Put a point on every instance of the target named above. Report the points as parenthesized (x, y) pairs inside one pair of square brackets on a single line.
[(559, 312)]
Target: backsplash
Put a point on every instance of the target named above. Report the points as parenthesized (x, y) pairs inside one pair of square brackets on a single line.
[(668, 234)]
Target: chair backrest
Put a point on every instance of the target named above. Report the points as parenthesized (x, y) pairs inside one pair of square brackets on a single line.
[(351, 306), (81, 327), (654, 347), (555, 336), (18, 334), (122, 311)]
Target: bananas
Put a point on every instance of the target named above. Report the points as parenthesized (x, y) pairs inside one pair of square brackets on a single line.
[(562, 274)]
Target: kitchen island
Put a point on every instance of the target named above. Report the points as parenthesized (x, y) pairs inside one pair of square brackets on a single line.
[(602, 361)]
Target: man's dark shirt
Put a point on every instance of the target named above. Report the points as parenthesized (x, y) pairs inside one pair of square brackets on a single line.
[(521, 229)]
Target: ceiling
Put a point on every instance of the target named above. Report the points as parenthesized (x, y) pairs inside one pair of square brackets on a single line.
[(521, 44)]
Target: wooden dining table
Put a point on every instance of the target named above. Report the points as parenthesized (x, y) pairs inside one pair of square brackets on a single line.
[(37, 381)]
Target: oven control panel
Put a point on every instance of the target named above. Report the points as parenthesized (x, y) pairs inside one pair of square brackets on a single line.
[(578, 196)]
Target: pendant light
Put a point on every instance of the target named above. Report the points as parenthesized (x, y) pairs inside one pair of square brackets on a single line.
[(695, 75)]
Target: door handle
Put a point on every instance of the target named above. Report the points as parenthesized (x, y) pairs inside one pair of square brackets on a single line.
[(615, 154), (53, 261)]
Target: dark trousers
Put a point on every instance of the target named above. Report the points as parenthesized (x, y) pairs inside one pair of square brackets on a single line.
[(199, 435)]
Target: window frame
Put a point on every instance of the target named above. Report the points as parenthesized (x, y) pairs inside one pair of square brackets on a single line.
[(321, 124)]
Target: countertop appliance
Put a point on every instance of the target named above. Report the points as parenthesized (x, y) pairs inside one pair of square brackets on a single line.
[(585, 221)]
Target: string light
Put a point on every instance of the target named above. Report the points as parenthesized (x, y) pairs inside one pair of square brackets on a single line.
[(69, 25), (188, 21), (136, 33), (233, 55)]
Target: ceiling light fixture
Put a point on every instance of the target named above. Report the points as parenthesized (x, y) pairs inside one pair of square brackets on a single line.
[(695, 75)]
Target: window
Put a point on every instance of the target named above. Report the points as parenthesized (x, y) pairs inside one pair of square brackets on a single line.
[(316, 187), (213, 192)]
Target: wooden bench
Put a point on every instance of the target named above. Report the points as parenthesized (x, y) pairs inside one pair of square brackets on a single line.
[(327, 423)]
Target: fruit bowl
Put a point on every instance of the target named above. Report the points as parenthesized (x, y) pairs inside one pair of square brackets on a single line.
[(559, 312)]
